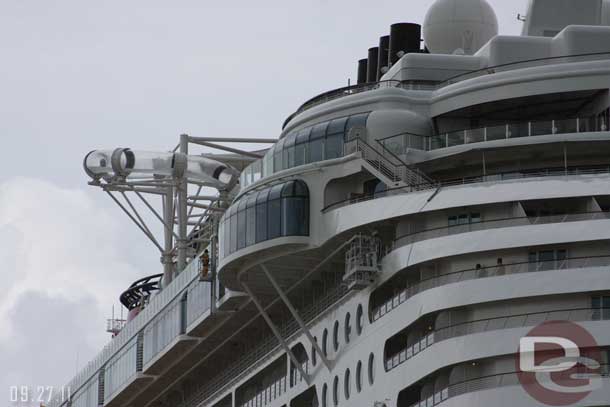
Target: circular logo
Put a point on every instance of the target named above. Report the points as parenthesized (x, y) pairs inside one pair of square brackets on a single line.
[(558, 363)]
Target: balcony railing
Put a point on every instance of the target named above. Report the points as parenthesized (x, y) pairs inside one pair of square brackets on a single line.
[(493, 324), (499, 177), (435, 233), (480, 384), (487, 272), (428, 85), (268, 395), (400, 144)]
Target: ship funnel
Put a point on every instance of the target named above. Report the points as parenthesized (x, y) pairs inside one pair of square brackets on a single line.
[(363, 65), (384, 56), (371, 75), (405, 38), (125, 163)]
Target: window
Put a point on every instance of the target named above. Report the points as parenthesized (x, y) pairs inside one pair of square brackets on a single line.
[(316, 142), (358, 120), (289, 150), (359, 377), (251, 220), (325, 342), (336, 391), (301, 150), (359, 319), (325, 395), (371, 369), (278, 156), (346, 384), (274, 212), (281, 210), (334, 138), (348, 327), (336, 336), (464, 219), (601, 307), (261, 215)]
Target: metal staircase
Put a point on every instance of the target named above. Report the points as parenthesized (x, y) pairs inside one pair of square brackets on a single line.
[(385, 165)]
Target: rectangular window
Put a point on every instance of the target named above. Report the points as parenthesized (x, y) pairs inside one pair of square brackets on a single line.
[(274, 216), (316, 143), (601, 307), (453, 220)]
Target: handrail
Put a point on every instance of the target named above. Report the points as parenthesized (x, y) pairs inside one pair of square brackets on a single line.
[(359, 88), (469, 328), (473, 227), (502, 176), (481, 383), (485, 272)]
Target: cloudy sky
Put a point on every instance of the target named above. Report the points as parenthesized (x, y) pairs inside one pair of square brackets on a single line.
[(77, 75)]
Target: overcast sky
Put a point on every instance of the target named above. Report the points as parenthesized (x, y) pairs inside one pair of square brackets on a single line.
[(79, 75)]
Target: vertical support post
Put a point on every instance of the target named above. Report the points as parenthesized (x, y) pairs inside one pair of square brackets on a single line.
[(484, 164), (565, 158), (168, 215), (276, 332), (182, 210), (297, 317)]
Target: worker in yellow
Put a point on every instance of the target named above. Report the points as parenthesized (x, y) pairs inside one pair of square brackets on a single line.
[(205, 264)]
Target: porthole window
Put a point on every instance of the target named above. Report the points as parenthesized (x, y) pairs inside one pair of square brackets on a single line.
[(348, 327), (325, 395), (336, 391), (359, 377), (359, 319), (371, 369), (336, 336), (325, 342), (314, 354), (347, 384)]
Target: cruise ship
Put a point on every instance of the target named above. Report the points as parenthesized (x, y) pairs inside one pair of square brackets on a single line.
[(394, 244)]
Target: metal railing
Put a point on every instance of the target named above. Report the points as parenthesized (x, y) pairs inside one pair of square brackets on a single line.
[(493, 324), (388, 164), (268, 395), (505, 176), (432, 85), (480, 384), (435, 233), (266, 349), (486, 272), (400, 144)]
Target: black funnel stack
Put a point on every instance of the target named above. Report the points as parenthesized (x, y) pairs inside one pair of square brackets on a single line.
[(363, 65), (384, 52), (404, 38), (371, 75)]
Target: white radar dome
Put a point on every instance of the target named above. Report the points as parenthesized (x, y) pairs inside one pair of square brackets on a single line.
[(459, 26)]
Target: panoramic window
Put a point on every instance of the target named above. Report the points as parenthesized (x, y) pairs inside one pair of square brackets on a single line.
[(322, 141), (277, 211)]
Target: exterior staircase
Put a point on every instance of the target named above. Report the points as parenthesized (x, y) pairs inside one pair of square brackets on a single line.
[(388, 168)]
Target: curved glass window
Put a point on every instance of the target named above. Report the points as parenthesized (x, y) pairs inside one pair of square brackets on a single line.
[(316, 142), (322, 141), (261, 215), (251, 220), (241, 224), (301, 149), (277, 211)]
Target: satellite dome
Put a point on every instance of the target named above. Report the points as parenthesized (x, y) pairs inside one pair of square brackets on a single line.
[(459, 26)]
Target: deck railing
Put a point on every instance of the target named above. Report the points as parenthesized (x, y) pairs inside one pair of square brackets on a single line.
[(486, 272), (493, 324)]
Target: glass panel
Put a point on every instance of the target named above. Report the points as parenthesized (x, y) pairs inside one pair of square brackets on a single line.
[(475, 136), (337, 126), (475, 218), (546, 258), (452, 221), (455, 138), (496, 132), (334, 146), (316, 151), (278, 156), (438, 141), (241, 225), (566, 126), (295, 217), (251, 221), (542, 128), (356, 120), (290, 150), (274, 216), (233, 231), (261, 216), (518, 130)]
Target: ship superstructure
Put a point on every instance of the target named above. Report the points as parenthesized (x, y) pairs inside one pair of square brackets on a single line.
[(395, 242)]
